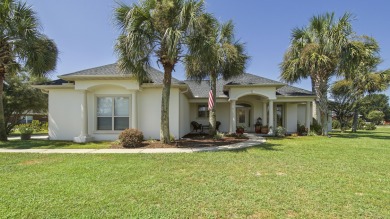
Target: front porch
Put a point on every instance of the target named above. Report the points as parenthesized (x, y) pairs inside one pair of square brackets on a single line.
[(248, 110)]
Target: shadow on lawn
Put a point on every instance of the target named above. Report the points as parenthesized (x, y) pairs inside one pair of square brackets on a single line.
[(362, 134), (265, 146), (34, 143)]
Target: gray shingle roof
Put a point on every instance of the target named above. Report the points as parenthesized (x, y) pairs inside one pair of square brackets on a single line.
[(155, 75), (293, 91), (201, 90), (250, 79)]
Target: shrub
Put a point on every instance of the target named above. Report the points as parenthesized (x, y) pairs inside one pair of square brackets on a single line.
[(316, 127), (336, 124), (172, 138), (218, 136), (376, 116), (25, 129), (36, 125), (280, 131), (370, 126), (131, 138), (301, 129), (45, 126), (312, 133)]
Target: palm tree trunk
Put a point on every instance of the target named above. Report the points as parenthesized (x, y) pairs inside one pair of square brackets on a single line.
[(3, 132), (213, 116), (355, 118), (321, 87), (166, 92)]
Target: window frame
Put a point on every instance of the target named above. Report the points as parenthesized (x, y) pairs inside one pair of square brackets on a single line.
[(112, 130), (207, 111)]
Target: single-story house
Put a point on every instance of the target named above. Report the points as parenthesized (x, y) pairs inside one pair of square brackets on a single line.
[(99, 103)]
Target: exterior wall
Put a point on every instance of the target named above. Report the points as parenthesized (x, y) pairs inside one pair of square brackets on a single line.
[(237, 92), (184, 116), (292, 116), (149, 112), (64, 114), (302, 114)]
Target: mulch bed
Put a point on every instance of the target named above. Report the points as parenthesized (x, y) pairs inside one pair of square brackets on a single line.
[(191, 141)]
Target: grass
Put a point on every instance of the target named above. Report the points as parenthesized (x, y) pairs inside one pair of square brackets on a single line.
[(45, 144), (345, 176)]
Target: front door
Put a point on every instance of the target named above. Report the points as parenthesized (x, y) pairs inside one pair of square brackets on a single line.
[(242, 117)]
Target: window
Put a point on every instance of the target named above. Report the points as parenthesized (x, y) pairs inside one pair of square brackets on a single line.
[(203, 111), (112, 113)]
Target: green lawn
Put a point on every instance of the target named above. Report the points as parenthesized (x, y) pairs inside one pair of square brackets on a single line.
[(45, 144), (346, 176)]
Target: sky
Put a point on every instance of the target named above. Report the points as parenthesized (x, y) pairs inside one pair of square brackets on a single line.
[(85, 31)]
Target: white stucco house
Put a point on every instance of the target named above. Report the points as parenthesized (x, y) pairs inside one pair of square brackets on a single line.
[(99, 103)]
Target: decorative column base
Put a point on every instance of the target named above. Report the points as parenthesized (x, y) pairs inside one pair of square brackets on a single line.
[(82, 139)]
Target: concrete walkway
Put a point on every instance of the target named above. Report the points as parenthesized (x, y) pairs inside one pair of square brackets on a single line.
[(252, 141)]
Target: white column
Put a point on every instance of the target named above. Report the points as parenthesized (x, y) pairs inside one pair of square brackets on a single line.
[(265, 122), (134, 122), (308, 115), (84, 120), (232, 116), (271, 118)]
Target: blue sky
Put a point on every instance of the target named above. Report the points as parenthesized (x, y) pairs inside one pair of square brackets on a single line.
[(85, 33)]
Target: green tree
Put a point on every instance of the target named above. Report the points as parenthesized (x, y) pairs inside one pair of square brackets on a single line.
[(21, 99), (376, 116), (22, 45), (315, 53), (218, 55), (360, 59), (343, 102), (373, 102), (160, 28)]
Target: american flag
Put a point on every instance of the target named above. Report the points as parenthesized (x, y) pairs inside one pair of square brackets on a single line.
[(211, 101)]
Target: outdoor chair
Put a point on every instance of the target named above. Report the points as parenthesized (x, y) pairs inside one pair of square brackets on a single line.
[(196, 126), (218, 123)]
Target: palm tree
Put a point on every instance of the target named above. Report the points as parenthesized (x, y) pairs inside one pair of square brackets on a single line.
[(22, 45), (360, 59), (315, 52), (218, 55), (159, 28)]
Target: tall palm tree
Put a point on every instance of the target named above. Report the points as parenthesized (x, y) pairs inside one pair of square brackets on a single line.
[(360, 59), (218, 55), (22, 45), (159, 28), (315, 52)]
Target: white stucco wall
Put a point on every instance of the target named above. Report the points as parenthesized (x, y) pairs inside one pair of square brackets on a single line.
[(237, 92), (149, 112), (302, 114), (64, 114), (291, 117), (184, 115)]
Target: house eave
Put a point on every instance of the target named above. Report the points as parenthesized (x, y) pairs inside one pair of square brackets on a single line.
[(95, 77), (254, 85)]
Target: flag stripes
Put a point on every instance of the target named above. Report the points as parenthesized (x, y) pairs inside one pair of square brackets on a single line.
[(211, 101)]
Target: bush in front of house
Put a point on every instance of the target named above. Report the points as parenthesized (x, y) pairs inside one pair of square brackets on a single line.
[(131, 138), (370, 126), (280, 131)]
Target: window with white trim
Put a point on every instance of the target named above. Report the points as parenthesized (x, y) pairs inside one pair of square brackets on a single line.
[(113, 113), (203, 111)]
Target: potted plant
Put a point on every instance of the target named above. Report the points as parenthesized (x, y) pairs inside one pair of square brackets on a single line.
[(258, 125), (240, 129), (264, 129), (25, 131)]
